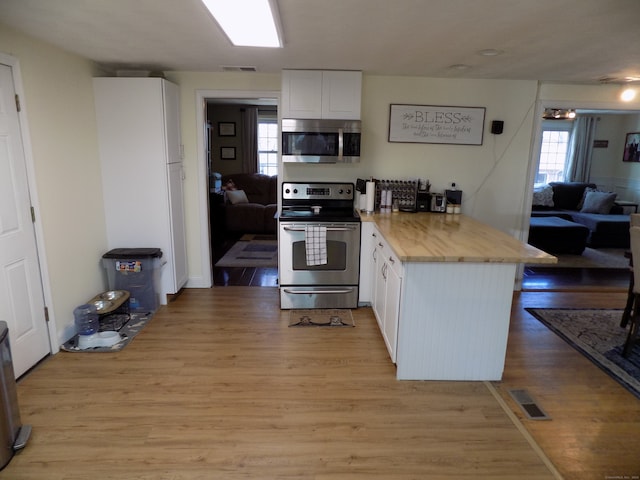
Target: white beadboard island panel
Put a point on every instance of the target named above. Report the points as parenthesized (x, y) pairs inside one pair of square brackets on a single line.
[(454, 320)]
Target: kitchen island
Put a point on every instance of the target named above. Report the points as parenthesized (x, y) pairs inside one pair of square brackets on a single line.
[(441, 288)]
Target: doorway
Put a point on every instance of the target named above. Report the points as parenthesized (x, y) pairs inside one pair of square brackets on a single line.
[(22, 287), (609, 173), (229, 153)]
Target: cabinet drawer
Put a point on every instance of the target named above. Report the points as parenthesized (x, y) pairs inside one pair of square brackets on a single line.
[(385, 253)]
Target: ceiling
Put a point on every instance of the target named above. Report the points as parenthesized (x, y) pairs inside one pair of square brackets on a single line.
[(569, 41)]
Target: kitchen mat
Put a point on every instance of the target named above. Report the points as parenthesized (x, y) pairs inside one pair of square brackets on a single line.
[(333, 317)]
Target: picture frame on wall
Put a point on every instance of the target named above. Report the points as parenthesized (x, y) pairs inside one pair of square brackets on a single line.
[(436, 124), (632, 147), (226, 129), (228, 153)]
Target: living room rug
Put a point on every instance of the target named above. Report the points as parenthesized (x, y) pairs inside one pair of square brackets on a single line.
[(332, 317), (127, 326), (251, 251), (591, 258), (596, 333)]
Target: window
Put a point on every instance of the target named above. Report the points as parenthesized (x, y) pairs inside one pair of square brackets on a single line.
[(267, 143), (554, 150)]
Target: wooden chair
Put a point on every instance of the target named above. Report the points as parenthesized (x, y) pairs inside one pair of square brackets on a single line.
[(634, 221), (634, 318)]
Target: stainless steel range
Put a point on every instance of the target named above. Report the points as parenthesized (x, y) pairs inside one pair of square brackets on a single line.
[(319, 246)]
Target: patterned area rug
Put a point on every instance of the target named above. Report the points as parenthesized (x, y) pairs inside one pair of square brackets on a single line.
[(597, 335), (251, 251), (333, 317)]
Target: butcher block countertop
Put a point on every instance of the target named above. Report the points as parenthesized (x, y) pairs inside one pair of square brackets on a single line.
[(440, 237)]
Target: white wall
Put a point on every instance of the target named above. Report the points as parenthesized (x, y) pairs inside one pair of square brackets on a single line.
[(61, 119), (604, 161), (627, 174)]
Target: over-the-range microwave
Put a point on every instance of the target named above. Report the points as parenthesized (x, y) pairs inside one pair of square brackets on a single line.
[(320, 141)]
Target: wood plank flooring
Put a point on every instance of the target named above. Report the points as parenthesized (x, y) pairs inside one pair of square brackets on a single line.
[(217, 386), (595, 428)]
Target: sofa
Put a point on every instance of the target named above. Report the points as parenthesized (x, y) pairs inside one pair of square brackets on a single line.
[(579, 204), (249, 203)]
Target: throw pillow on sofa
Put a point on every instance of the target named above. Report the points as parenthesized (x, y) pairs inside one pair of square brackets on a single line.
[(543, 196), (598, 202), (235, 197), (584, 195)]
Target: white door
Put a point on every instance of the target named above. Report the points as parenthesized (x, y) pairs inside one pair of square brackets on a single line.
[(176, 213), (21, 295)]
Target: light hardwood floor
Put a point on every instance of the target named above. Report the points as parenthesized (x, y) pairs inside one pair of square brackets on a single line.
[(217, 386)]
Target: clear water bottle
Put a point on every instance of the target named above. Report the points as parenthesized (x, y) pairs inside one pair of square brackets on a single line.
[(86, 319)]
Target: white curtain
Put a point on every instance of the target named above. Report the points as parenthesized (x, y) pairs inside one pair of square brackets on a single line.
[(249, 132), (581, 149)]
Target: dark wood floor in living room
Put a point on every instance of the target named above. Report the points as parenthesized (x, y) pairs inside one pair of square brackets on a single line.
[(559, 279)]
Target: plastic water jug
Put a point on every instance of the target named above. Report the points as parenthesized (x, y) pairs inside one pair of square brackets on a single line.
[(86, 319)]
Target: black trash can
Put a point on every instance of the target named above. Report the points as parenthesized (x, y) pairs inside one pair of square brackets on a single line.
[(136, 270)]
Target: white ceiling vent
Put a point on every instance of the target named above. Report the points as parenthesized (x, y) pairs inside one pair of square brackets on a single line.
[(232, 68)]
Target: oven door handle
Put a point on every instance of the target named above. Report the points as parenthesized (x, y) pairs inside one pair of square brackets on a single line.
[(329, 229), (311, 291)]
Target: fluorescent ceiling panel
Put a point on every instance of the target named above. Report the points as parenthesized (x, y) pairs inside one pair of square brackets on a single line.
[(247, 23)]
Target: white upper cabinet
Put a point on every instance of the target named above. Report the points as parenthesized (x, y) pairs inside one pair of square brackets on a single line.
[(321, 94)]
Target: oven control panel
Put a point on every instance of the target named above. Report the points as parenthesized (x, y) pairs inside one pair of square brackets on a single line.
[(317, 191)]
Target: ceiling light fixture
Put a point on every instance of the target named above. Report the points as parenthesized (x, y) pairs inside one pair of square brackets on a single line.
[(247, 23), (628, 94), (559, 114)]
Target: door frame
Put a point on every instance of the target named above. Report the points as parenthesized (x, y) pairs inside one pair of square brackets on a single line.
[(14, 64), (202, 177), (535, 147)]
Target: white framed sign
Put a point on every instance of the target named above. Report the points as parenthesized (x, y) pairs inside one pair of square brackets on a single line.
[(436, 124)]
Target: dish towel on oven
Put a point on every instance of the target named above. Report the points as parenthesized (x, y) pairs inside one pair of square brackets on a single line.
[(315, 239)]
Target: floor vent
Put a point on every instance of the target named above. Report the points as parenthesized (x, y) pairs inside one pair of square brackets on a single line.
[(528, 405)]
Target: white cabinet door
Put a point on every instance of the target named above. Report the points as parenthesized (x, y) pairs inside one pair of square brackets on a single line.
[(321, 94), (392, 310), (387, 293), (171, 95), (302, 94), (380, 288), (341, 95), (367, 266), (176, 214)]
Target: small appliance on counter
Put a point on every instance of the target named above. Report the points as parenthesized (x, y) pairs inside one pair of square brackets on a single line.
[(438, 202), (423, 202), (454, 199), (423, 197)]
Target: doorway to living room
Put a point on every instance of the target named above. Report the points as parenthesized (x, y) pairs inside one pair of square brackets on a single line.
[(567, 152), (242, 172)]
